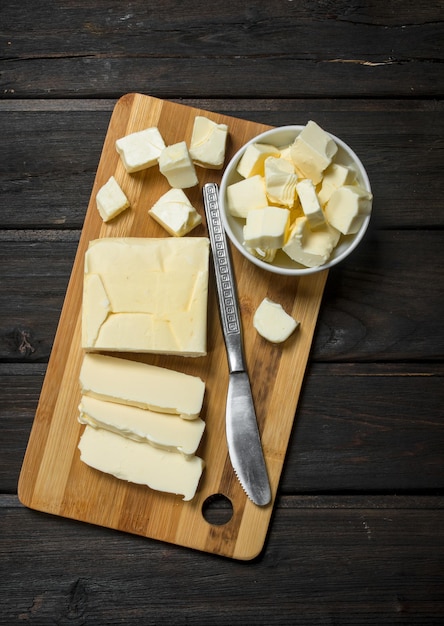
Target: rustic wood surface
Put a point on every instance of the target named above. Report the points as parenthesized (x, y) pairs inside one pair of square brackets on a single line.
[(357, 531)]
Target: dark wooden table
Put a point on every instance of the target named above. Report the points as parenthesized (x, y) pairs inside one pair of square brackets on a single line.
[(357, 534)]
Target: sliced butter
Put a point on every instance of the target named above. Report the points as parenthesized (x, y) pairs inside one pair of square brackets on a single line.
[(176, 165), (347, 208), (280, 181), (272, 322), (266, 228), (312, 152), (141, 149), (111, 200), (310, 203), (175, 213), (253, 159), (310, 247), (208, 142), (246, 195)]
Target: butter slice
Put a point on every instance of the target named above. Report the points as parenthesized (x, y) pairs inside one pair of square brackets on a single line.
[(310, 203), (146, 295), (347, 208), (253, 159), (163, 430), (335, 176), (141, 149), (208, 142), (310, 247), (272, 322), (245, 195), (176, 165), (146, 386), (312, 152), (174, 212), (111, 200), (266, 228), (280, 181), (140, 463)]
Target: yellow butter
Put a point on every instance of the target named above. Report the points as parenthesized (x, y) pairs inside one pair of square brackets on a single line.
[(310, 248), (176, 165), (174, 212), (141, 149), (208, 142)]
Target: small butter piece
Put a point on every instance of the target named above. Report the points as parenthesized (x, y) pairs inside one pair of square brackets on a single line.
[(310, 203), (267, 254), (111, 200), (208, 141), (272, 322), (141, 149), (140, 463), (266, 228), (310, 248), (347, 208), (252, 160), (163, 430), (335, 176), (312, 152), (176, 165), (175, 213), (280, 181), (245, 195), (114, 379)]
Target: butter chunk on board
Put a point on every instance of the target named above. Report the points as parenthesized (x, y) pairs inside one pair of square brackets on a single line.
[(146, 295), (140, 463), (114, 379)]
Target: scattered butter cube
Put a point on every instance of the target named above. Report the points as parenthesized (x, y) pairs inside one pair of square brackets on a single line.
[(176, 165), (310, 248), (252, 161), (272, 322), (141, 149), (175, 213), (208, 141), (347, 208), (245, 195), (335, 176), (310, 203), (111, 200), (312, 152), (280, 181), (266, 228)]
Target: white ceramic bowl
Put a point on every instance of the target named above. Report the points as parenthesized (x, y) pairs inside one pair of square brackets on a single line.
[(282, 264)]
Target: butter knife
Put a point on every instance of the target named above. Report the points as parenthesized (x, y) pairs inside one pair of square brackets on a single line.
[(243, 439)]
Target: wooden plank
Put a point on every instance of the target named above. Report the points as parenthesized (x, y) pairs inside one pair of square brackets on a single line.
[(54, 480)]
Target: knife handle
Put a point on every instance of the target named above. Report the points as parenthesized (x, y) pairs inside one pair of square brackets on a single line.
[(226, 287)]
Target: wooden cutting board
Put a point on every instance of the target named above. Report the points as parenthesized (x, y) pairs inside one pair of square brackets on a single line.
[(54, 480)]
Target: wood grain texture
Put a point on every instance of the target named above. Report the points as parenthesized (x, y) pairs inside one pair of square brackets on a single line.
[(54, 480)]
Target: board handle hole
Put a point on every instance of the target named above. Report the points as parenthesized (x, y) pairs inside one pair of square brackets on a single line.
[(217, 509)]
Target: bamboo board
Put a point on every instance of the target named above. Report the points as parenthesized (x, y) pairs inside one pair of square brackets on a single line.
[(54, 480)]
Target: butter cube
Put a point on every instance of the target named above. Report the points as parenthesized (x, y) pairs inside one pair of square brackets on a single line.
[(175, 213), (141, 149), (245, 195), (111, 200), (310, 203), (335, 176), (310, 247), (312, 152), (347, 208), (266, 228), (272, 322), (252, 160), (176, 165), (280, 181), (208, 141)]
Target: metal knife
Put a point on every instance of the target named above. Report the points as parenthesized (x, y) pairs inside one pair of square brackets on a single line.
[(244, 444)]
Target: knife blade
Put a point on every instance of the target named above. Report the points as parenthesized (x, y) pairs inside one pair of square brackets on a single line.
[(243, 439)]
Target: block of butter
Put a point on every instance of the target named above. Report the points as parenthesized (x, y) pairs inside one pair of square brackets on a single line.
[(141, 149), (146, 386), (310, 203), (175, 213), (163, 430), (176, 165), (312, 152), (335, 176), (146, 295), (111, 200), (140, 463), (272, 322), (253, 159), (347, 208), (310, 247), (245, 195), (280, 181), (208, 142), (266, 228)]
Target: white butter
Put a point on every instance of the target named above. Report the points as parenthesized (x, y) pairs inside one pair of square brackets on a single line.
[(146, 295), (245, 195), (146, 386), (111, 200), (280, 181), (163, 430), (266, 228), (272, 322), (312, 152), (335, 176), (174, 212), (252, 160), (310, 248), (347, 208), (208, 142), (176, 165), (140, 463), (141, 149), (310, 203)]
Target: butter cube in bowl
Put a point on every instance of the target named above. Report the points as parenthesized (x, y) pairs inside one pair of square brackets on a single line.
[(313, 176)]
